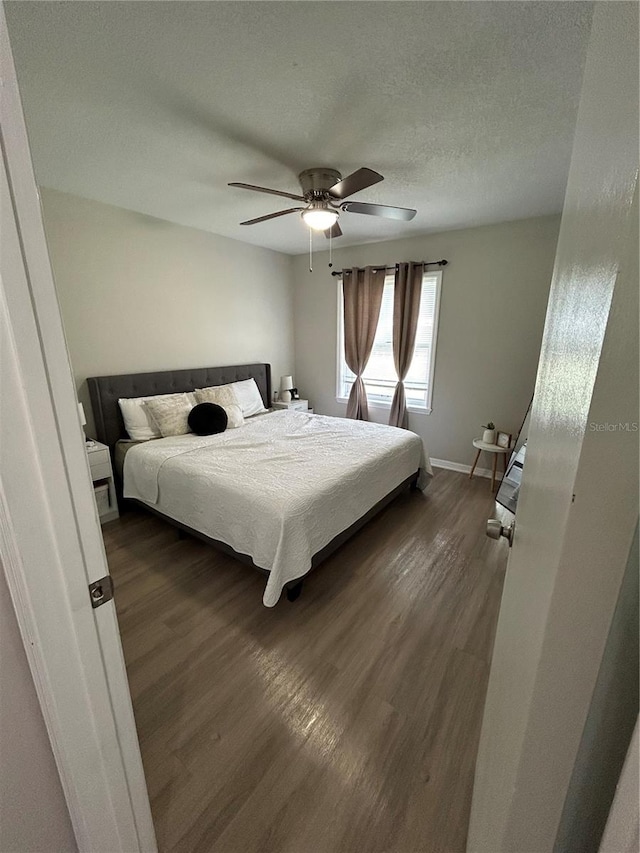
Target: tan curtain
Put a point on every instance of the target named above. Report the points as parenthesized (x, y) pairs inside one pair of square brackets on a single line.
[(406, 308), (362, 293)]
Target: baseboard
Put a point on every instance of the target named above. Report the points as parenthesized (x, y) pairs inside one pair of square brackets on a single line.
[(463, 469)]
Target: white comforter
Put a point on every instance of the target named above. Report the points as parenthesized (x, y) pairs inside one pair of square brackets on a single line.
[(279, 488)]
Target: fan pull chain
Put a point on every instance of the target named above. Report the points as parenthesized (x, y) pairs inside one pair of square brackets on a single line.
[(310, 250), (330, 243)]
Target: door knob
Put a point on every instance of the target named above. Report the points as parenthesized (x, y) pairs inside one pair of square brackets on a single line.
[(495, 530)]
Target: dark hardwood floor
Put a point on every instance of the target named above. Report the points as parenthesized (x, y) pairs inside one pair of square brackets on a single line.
[(345, 722)]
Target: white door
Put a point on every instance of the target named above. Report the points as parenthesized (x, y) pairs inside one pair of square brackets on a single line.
[(50, 541), (578, 503)]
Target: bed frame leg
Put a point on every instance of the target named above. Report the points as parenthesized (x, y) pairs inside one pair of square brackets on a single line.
[(414, 484), (294, 591)]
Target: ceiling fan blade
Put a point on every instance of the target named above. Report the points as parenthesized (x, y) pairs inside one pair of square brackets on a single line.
[(353, 183), (271, 216), (384, 210), (265, 190), (334, 231)]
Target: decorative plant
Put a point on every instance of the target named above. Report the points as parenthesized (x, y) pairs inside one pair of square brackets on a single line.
[(490, 425)]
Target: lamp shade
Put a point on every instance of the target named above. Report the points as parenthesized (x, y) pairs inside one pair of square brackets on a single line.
[(286, 384), (83, 419), (320, 218)]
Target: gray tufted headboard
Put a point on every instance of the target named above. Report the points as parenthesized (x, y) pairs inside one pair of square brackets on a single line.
[(105, 391)]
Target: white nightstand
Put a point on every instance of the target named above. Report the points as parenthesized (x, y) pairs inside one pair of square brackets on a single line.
[(101, 475), (295, 405)]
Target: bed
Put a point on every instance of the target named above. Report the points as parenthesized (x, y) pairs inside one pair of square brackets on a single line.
[(281, 492)]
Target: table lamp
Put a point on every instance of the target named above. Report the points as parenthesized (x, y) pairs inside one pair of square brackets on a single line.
[(83, 419), (286, 384)]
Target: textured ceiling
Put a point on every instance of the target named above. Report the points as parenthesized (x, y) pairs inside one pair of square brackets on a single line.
[(466, 108)]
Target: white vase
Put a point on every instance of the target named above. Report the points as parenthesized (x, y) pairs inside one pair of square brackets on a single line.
[(489, 436)]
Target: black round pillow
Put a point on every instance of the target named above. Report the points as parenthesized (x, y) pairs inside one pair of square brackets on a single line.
[(207, 419)]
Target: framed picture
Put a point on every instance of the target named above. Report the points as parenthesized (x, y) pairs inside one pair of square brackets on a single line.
[(504, 439)]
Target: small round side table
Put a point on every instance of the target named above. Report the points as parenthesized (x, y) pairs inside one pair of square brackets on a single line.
[(495, 450)]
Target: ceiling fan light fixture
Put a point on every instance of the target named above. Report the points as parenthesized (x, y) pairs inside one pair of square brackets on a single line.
[(320, 217), (326, 195)]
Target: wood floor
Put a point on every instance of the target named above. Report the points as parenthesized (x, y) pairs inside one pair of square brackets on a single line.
[(345, 722)]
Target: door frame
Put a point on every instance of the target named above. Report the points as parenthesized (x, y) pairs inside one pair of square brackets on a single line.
[(51, 544), (578, 506)]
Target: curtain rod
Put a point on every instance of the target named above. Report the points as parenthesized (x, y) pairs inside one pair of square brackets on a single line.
[(441, 263)]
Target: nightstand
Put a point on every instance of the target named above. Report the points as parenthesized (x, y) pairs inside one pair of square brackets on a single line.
[(496, 450), (294, 405), (103, 483)]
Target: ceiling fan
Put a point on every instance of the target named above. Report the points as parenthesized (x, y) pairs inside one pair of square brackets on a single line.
[(324, 191)]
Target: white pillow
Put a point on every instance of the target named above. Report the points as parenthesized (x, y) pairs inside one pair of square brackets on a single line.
[(170, 413), (225, 396), (234, 416), (222, 395), (248, 397), (137, 421)]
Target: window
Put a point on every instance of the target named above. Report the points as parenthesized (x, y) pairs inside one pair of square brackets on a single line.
[(380, 376)]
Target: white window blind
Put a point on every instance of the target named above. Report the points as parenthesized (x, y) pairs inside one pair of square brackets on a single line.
[(380, 376)]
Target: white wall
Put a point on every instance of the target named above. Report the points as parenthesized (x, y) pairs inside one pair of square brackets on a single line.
[(33, 812), (494, 298), (140, 294)]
